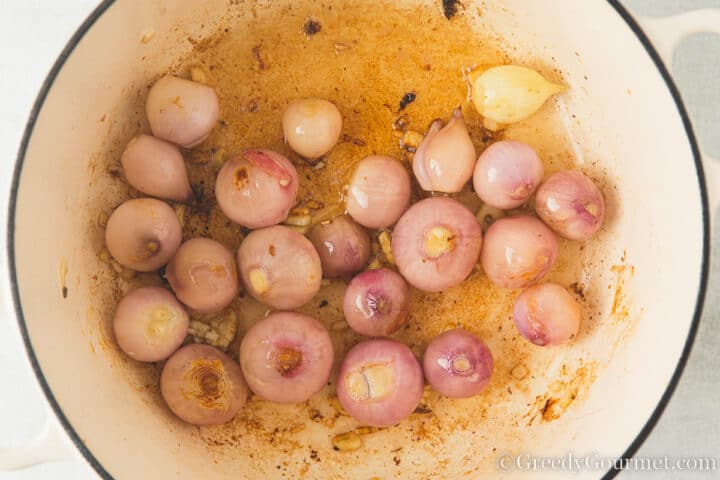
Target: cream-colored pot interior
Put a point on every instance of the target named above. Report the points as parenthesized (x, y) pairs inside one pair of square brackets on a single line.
[(592, 397)]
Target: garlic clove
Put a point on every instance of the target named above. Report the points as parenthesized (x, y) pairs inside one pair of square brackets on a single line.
[(511, 93)]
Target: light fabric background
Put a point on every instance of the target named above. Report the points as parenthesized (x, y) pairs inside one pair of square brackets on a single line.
[(32, 34)]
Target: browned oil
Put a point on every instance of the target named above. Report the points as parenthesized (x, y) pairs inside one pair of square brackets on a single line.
[(366, 56)]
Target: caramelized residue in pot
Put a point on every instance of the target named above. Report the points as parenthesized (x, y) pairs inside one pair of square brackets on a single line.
[(390, 71)]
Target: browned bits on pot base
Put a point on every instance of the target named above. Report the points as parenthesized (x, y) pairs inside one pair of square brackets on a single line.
[(563, 392), (450, 8), (407, 99), (367, 62), (311, 27), (347, 442), (258, 57), (63, 277)]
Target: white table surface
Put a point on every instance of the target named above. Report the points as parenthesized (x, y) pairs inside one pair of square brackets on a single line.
[(32, 34)]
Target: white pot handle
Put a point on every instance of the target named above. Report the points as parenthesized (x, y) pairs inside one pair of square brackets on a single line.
[(51, 445), (666, 34)]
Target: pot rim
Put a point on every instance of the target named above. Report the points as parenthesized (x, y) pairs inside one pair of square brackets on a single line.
[(642, 435)]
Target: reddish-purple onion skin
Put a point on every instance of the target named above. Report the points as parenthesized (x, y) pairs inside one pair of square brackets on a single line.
[(279, 267), (286, 357), (343, 246), (436, 244), (507, 174), (203, 275), (257, 188), (203, 386), (457, 364), (571, 204), (150, 324), (445, 158), (143, 234), (518, 251), (379, 192), (377, 303), (380, 382), (547, 314), (156, 168), (181, 111)]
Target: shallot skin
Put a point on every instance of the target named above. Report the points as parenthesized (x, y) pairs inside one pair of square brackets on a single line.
[(203, 275), (143, 234), (156, 168), (150, 324), (379, 192), (287, 357), (203, 386), (547, 314), (312, 126), (380, 382), (377, 303), (257, 188), (445, 158), (436, 243), (279, 267), (507, 174), (571, 204), (518, 251), (343, 246), (181, 111), (457, 364)]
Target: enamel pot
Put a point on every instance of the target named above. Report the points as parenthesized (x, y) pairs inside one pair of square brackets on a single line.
[(601, 396)]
